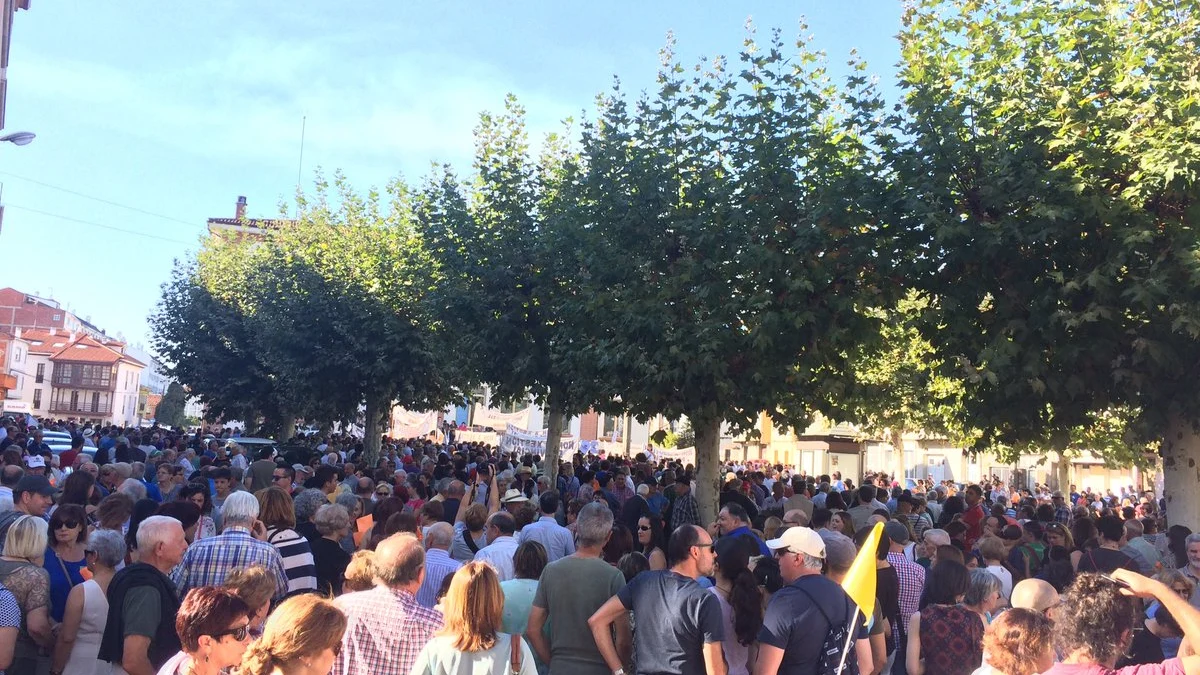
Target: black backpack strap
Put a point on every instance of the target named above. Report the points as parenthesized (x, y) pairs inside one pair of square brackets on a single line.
[(470, 541)]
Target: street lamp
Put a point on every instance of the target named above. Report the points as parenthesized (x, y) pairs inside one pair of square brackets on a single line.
[(19, 138)]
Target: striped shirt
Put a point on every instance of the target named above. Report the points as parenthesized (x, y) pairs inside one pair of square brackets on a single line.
[(297, 559), (438, 565)]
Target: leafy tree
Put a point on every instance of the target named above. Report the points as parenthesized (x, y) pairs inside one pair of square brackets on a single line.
[(1046, 160), (335, 303), (206, 344), (169, 411), (897, 386), (727, 243), (497, 278)]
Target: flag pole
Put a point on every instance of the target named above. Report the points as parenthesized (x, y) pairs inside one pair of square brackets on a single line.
[(849, 639)]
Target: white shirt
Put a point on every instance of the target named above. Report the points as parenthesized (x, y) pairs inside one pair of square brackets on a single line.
[(499, 554)]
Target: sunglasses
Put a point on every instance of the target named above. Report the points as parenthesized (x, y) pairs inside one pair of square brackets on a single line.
[(274, 477), (383, 493), (643, 528), (780, 552), (238, 633), (68, 524)]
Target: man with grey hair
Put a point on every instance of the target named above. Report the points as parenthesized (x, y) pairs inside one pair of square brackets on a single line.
[(240, 544), (134, 488), (1191, 545), (438, 563), (1142, 551), (930, 542), (139, 634), (570, 591)]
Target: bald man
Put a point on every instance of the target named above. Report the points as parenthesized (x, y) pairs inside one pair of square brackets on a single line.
[(386, 626), (1035, 594)]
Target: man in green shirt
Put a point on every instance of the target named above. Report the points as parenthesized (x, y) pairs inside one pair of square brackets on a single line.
[(570, 591)]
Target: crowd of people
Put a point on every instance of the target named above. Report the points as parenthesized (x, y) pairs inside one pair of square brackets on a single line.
[(158, 551)]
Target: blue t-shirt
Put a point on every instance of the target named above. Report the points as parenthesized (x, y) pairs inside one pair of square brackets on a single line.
[(799, 618), (60, 584), (675, 619)]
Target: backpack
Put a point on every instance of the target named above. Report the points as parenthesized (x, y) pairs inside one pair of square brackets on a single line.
[(834, 644)]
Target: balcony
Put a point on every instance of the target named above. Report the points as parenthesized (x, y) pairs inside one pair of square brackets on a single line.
[(80, 408)]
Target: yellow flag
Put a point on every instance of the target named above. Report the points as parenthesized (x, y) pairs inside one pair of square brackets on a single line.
[(859, 583)]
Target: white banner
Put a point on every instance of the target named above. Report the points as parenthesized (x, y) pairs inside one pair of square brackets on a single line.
[(408, 424), (523, 441), (490, 417), (684, 455)]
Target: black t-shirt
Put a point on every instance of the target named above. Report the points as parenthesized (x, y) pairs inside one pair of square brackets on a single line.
[(675, 619), (1105, 560), (794, 623)]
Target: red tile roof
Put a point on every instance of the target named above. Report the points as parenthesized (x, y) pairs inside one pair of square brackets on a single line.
[(49, 343), (88, 350)]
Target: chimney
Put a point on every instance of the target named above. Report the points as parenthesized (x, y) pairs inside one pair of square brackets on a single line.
[(241, 208), (53, 330), (17, 331)]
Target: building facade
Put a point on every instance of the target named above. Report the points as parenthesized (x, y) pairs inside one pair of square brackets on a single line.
[(27, 311)]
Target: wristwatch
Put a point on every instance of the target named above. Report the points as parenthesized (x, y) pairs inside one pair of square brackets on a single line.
[(619, 671)]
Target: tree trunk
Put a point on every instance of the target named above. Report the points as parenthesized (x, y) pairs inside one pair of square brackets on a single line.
[(287, 428), (1062, 474), (1181, 474), (896, 437), (708, 466), (376, 408), (554, 427)]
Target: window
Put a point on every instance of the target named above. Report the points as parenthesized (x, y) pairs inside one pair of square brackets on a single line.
[(74, 400), (58, 317), (40, 377), (510, 407), (95, 401), (37, 397)]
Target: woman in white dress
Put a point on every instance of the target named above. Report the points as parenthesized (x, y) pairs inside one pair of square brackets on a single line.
[(87, 609)]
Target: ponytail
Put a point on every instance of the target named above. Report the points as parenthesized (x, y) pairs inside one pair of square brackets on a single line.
[(746, 600)]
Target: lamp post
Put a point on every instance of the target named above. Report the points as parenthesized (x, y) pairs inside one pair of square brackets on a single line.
[(18, 138)]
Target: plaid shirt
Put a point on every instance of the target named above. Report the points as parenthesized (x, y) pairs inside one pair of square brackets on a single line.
[(385, 633), (1062, 514), (685, 512), (208, 561), (912, 582)]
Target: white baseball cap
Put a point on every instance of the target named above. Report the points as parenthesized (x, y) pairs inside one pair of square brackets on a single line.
[(36, 462), (799, 540)]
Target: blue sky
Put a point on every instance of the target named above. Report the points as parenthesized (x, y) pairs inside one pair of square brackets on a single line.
[(177, 108)]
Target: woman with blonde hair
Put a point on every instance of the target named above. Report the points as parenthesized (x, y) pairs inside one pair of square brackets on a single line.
[(303, 635), (471, 641), (255, 585), (360, 573), (21, 572)]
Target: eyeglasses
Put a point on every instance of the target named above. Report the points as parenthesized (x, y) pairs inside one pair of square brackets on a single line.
[(275, 477), (238, 633), (643, 528), (383, 493), (780, 552), (68, 524), (708, 545)]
